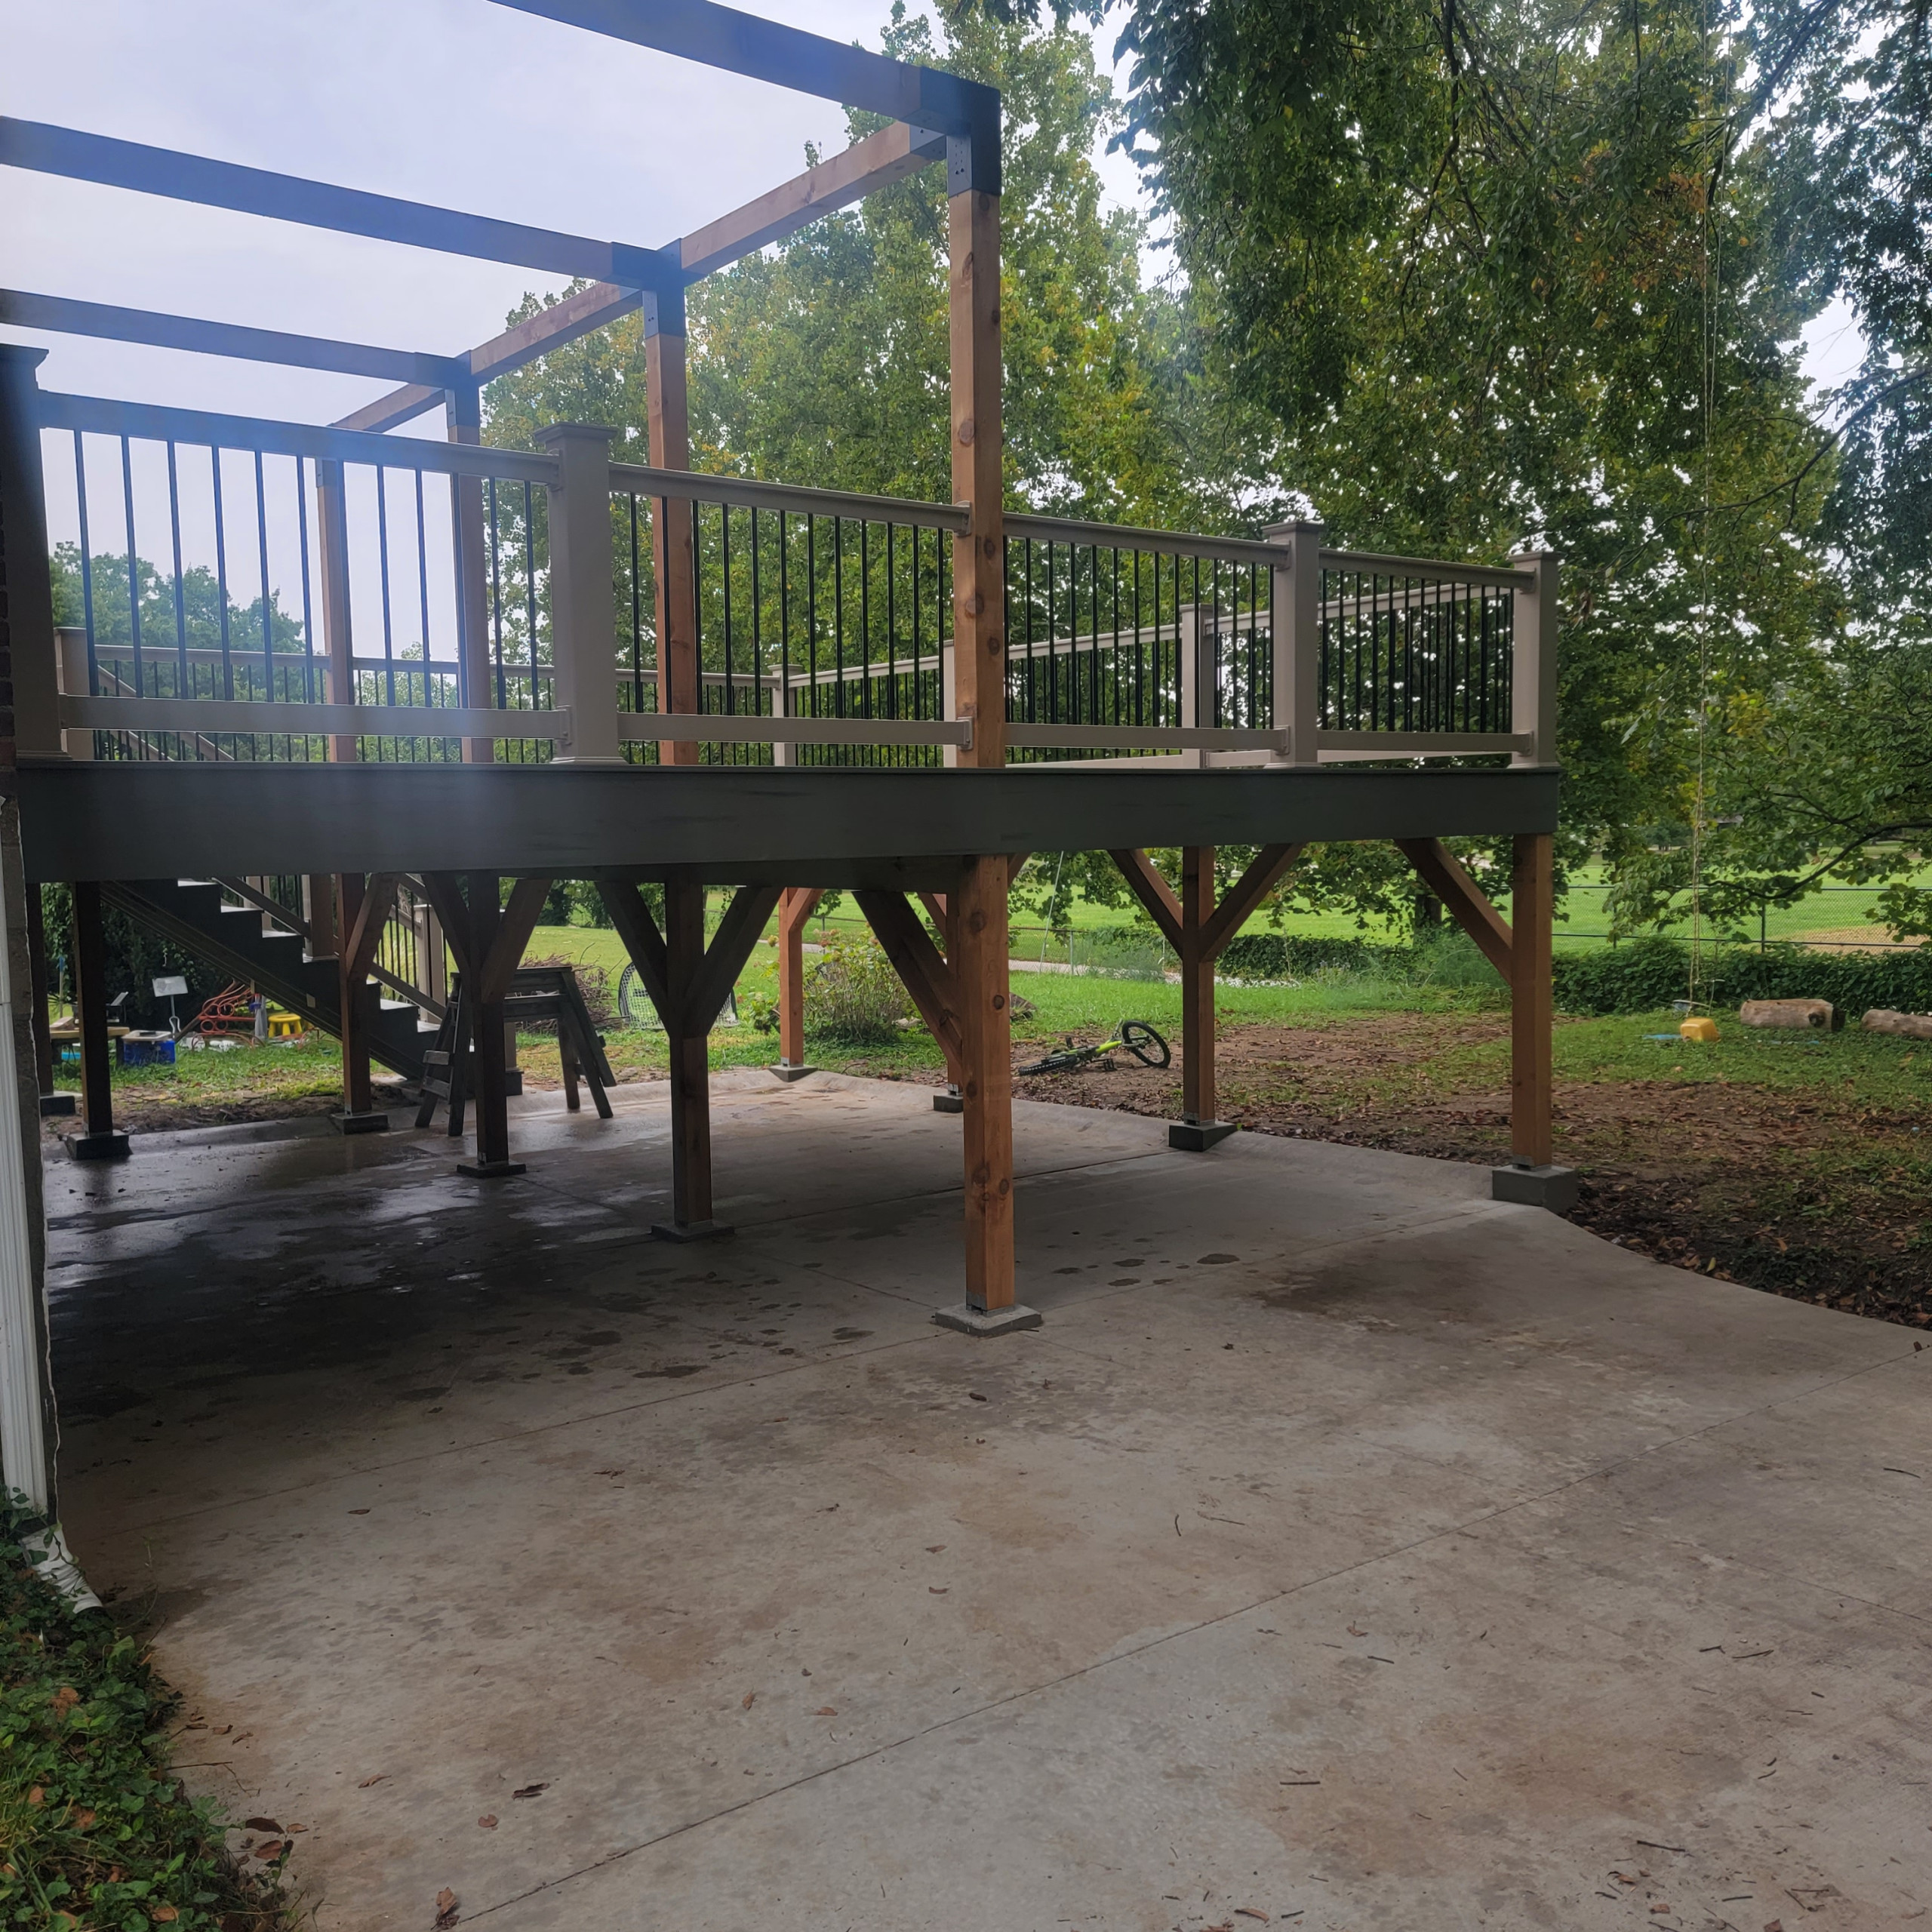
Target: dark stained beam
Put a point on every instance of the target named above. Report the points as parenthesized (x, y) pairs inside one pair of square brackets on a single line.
[(58, 313), (787, 57), (47, 149)]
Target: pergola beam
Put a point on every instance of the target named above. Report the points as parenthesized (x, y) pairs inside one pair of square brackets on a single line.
[(37, 146), (787, 58), (882, 158), (59, 314)]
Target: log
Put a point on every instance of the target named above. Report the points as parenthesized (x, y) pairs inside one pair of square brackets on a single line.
[(1818, 1012), (1911, 1025)]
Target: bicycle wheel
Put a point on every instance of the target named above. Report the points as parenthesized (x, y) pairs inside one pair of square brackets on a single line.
[(634, 1006), (1144, 1044)]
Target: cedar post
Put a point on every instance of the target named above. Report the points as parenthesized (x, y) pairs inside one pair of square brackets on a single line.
[(794, 910), (667, 409), (1197, 987), (475, 690), (978, 933), (100, 1142), (1532, 917), (356, 999), (979, 561), (691, 1065), (976, 910), (491, 1086)]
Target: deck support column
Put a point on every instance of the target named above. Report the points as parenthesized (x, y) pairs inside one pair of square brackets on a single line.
[(1532, 1067), (1197, 997), (100, 1142), (51, 1103), (356, 1000), (1198, 926), (796, 906), (977, 928), (1519, 948), (690, 1067)]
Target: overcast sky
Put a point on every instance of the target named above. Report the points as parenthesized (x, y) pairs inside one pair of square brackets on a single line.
[(459, 103)]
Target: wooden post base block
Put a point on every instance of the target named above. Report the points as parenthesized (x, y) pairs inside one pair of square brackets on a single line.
[(950, 1101), (1196, 1136), (785, 1070), (59, 1106), (365, 1122), (1553, 1188), (98, 1146), (689, 1231), (491, 1170), (965, 1319)]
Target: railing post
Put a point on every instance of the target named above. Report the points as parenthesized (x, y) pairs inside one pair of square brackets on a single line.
[(70, 665), (1296, 665), (1197, 678), (23, 535), (584, 619), (1532, 666)]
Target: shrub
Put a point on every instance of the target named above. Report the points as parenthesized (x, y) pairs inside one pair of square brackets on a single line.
[(1643, 974), (852, 993)]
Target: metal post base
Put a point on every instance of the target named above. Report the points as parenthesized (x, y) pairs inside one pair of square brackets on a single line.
[(688, 1230), (1196, 1136), (491, 1170), (368, 1123), (59, 1106), (98, 1146), (785, 1070), (968, 1320), (1553, 1188), (950, 1101)]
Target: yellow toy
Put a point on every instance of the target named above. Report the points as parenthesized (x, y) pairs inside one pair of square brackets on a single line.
[(1698, 1026)]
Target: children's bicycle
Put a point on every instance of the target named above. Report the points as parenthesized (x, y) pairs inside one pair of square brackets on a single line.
[(1135, 1037)]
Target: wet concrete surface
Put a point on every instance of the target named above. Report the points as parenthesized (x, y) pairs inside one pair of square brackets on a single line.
[(1346, 1548)]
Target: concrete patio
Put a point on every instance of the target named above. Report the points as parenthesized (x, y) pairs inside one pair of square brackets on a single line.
[(1345, 1551)]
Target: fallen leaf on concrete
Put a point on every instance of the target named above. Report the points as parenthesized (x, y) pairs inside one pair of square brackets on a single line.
[(261, 1824), (531, 1791), (935, 1590), (749, 1695), (974, 1395), (1248, 1912), (446, 1911), (933, 1549), (1662, 1908), (1775, 1925), (368, 1782), (825, 1711), (1354, 1632), (358, 1512), (488, 1821), (221, 1729), (269, 1850), (1625, 1877), (295, 1828)]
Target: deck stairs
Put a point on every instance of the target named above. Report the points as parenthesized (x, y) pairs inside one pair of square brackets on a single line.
[(240, 931)]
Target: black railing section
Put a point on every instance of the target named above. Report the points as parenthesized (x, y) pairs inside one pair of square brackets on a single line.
[(1414, 653), (798, 612), (205, 571)]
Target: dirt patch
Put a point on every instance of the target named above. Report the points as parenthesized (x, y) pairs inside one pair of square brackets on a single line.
[(1782, 1191), (135, 1112)]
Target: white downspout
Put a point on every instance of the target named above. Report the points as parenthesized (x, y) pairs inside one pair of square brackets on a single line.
[(25, 1462)]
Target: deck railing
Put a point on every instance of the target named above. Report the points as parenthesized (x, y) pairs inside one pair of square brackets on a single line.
[(234, 588)]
